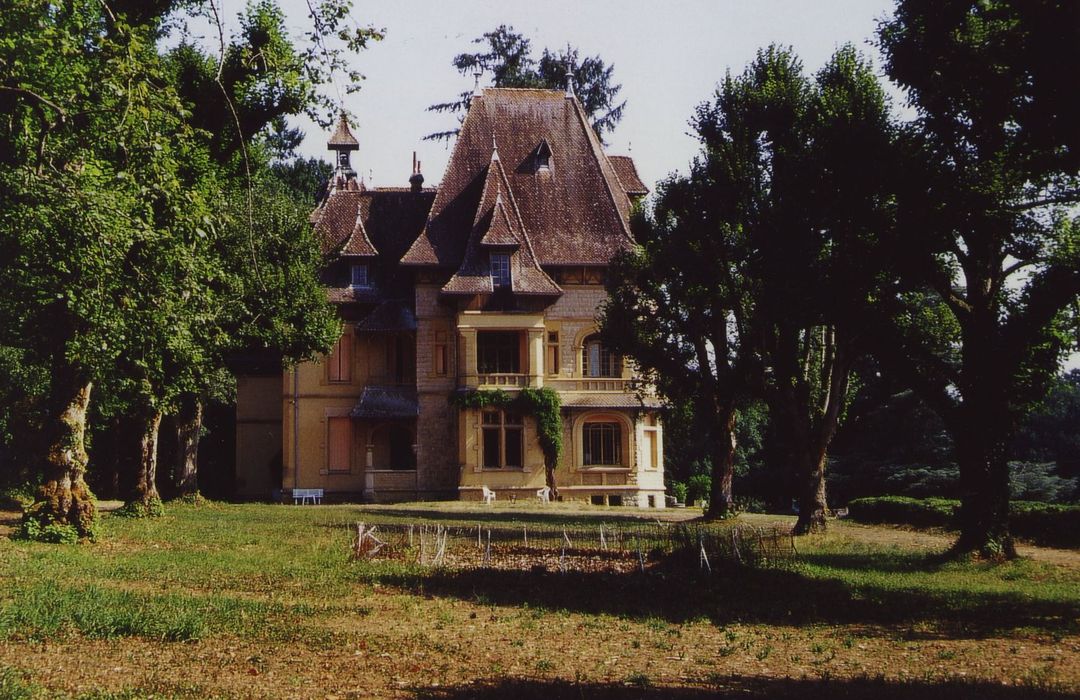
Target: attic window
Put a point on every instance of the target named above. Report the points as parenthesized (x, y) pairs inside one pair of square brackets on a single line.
[(359, 277), (500, 270), (543, 157)]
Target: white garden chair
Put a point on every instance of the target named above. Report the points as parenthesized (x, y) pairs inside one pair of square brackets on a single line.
[(544, 495), (489, 495)]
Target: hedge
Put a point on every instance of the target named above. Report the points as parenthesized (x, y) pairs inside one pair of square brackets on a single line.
[(1047, 524)]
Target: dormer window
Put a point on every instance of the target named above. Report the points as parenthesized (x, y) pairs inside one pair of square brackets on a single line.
[(500, 270), (359, 277), (543, 157)]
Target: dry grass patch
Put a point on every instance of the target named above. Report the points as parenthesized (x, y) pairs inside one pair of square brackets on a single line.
[(281, 611)]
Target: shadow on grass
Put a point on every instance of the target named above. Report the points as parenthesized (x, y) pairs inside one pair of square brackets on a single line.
[(552, 518), (741, 687), (676, 592)]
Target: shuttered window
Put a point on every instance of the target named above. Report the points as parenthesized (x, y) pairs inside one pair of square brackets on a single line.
[(338, 441)]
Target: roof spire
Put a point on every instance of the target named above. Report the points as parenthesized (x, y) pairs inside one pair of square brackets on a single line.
[(342, 141), (569, 73), (494, 147), (477, 72)]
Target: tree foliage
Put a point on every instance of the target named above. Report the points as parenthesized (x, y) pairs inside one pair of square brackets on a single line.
[(131, 254), (507, 58)]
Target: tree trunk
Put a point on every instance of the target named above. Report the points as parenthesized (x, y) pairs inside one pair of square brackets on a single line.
[(146, 499), (549, 468), (188, 430), (981, 452), (721, 502), (812, 502), (64, 498)]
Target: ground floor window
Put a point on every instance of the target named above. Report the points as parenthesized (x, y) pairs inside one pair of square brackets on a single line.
[(602, 443), (503, 442)]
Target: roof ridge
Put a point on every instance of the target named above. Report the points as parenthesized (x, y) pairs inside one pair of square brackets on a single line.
[(601, 157)]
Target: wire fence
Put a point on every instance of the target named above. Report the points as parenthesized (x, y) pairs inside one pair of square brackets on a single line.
[(608, 547)]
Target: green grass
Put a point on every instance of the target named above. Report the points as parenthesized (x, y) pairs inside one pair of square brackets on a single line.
[(276, 576)]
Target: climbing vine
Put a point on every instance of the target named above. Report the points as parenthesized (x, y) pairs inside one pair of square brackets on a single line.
[(543, 404)]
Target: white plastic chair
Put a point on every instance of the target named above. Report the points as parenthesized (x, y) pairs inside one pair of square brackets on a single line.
[(489, 495), (544, 495)]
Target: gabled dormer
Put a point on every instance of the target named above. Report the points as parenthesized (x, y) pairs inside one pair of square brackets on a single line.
[(542, 158)]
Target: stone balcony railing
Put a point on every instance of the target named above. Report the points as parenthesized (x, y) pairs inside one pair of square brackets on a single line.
[(503, 380)]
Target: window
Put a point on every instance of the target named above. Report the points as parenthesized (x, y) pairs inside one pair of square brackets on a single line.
[(551, 357), (440, 359), (498, 352), (598, 361), (500, 270), (650, 453), (543, 157), (359, 277), (602, 443), (338, 444), (502, 440), (340, 360)]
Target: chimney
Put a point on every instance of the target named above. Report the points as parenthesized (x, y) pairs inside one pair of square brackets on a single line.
[(416, 180)]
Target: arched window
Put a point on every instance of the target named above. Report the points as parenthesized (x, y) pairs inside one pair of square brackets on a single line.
[(602, 443), (598, 361), (401, 449)]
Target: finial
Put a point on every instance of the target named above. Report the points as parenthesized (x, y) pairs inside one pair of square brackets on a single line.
[(494, 147), (569, 73), (477, 72)]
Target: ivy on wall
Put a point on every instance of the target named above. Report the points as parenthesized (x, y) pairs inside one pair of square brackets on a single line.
[(543, 404)]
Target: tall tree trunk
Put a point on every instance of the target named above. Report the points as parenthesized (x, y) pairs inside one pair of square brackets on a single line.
[(982, 428), (549, 468), (146, 497), (981, 452), (64, 498), (721, 502), (188, 430), (812, 501)]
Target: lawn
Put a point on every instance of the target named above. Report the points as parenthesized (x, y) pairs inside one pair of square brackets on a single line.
[(243, 601)]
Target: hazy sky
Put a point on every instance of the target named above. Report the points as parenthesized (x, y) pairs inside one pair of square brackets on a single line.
[(668, 56)]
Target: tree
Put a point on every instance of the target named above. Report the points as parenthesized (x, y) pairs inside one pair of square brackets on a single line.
[(780, 204), (677, 307), (809, 209), (509, 62), (989, 157), (108, 217)]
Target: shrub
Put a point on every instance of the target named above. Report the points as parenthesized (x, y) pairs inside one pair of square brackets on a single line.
[(902, 510), (678, 490), (698, 488), (1048, 524)]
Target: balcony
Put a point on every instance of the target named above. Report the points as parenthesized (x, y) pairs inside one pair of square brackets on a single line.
[(503, 379)]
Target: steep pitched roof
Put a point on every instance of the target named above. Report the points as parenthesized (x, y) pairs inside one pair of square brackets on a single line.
[(502, 219), (382, 221), (342, 136), (576, 213), (628, 176), (358, 244)]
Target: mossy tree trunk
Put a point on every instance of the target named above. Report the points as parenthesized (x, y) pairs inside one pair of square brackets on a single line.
[(64, 498), (145, 499), (188, 429)]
